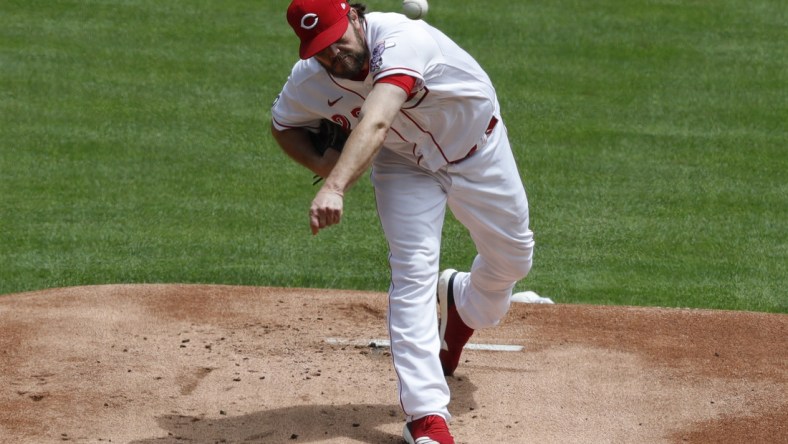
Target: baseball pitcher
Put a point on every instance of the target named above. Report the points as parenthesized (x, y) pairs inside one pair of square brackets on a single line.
[(422, 113)]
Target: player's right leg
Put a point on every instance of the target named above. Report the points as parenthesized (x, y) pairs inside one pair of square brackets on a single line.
[(487, 196)]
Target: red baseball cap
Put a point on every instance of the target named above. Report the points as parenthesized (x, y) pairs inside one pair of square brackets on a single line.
[(318, 23)]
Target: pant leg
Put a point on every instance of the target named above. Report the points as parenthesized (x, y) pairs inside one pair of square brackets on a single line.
[(487, 196), (412, 204)]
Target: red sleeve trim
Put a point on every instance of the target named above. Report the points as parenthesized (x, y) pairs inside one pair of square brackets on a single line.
[(404, 81)]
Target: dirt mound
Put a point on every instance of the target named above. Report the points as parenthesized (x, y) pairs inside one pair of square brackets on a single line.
[(205, 364)]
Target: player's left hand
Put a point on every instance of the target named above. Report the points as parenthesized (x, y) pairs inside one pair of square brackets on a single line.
[(326, 209)]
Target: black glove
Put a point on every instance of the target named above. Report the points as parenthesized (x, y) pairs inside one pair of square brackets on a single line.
[(330, 135)]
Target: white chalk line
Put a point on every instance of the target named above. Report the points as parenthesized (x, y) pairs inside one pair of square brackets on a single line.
[(386, 343), (527, 297)]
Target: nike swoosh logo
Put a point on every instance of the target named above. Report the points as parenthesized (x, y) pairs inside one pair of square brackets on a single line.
[(334, 102)]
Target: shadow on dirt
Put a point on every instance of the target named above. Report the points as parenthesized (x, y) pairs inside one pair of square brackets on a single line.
[(309, 423)]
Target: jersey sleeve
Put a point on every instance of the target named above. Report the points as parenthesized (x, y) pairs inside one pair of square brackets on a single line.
[(290, 109), (404, 50), (404, 81)]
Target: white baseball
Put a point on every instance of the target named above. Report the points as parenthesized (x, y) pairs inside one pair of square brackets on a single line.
[(415, 9)]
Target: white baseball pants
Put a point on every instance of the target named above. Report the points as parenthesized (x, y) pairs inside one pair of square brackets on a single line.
[(485, 193)]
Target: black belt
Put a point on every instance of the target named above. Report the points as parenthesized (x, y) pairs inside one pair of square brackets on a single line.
[(487, 132)]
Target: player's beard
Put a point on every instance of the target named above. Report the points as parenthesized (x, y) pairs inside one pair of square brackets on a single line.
[(350, 65), (347, 66)]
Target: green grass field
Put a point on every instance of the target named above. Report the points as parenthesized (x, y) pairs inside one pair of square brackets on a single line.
[(651, 137)]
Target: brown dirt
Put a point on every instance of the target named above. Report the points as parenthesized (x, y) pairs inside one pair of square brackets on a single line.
[(175, 363)]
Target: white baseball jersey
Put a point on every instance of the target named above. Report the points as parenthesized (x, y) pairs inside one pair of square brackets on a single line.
[(449, 109)]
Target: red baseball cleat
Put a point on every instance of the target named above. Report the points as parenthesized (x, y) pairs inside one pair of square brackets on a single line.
[(454, 334), (430, 429)]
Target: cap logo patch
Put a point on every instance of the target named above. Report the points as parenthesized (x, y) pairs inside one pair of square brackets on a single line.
[(308, 17)]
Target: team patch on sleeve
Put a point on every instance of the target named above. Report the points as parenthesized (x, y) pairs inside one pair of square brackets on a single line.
[(376, 61)]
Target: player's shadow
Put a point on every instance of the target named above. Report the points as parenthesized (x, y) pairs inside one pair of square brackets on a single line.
[(309, 423)]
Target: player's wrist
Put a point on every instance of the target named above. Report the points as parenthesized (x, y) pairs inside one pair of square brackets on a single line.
[(333, 188)]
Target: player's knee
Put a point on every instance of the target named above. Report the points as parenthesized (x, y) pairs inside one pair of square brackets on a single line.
[(522, 266), (519, 264)]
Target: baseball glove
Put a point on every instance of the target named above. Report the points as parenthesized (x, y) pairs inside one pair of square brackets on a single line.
[(330, 135)]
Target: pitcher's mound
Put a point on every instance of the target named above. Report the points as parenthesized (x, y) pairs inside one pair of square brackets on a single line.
[(217, 364)]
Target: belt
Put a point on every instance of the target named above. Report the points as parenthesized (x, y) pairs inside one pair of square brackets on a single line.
[(487, 132)]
